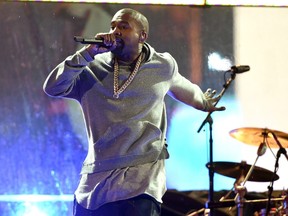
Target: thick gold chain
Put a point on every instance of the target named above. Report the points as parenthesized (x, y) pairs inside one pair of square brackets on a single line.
[(117, 90)]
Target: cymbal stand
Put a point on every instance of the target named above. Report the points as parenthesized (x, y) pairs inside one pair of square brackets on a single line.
[(241, 189), (209, 120), (270, 187), (239, 185), (261, 150), (282, 150)]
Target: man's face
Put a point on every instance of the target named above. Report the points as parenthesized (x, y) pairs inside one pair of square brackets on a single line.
[(127, 31)]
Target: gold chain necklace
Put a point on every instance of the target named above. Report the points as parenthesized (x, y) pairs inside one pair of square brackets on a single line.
[(117, 90)]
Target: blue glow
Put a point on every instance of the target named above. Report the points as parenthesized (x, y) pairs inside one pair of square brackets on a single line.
[(189, 150), (32, 210), (15, 205), (36, 198)]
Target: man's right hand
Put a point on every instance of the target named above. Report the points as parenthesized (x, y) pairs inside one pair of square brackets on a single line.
[(108, 45)]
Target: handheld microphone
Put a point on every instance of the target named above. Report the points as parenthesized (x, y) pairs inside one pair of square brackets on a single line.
[(89, 40), (239, 69)]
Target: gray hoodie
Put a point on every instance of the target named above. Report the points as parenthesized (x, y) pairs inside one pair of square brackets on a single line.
[(129, 130)]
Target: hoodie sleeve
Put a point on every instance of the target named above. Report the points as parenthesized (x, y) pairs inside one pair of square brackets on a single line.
[(62, 79), (185, 91)]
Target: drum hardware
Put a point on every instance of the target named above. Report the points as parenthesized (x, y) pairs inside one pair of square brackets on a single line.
[(270, 187), (240, 202), (206, 212), (268, 137), (274, 142), (280, 211), (246, 174), (197, 212), (243, 172)]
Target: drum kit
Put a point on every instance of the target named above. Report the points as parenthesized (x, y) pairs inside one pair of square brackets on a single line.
[(244, 172)]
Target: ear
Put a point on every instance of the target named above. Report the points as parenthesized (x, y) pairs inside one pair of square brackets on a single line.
[(143, 36)]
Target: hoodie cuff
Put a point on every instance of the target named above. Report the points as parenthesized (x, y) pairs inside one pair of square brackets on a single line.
[(86, 54)]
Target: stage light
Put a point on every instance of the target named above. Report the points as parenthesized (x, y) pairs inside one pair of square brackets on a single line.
[(36, 205), (31, 209), (218, 63)]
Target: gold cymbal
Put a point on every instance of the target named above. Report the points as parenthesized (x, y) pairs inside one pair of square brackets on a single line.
[(236, 170), (256, 136)]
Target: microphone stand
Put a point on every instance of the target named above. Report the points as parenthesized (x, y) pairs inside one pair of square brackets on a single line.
[(209, 120)]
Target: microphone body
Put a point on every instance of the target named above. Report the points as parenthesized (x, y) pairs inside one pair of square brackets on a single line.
[(99, 42), (239, 69), (89, 40)]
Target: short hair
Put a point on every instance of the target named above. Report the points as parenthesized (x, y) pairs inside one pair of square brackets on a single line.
[(141, 20)]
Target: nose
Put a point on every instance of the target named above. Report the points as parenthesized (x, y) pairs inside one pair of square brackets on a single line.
[(116, 31)]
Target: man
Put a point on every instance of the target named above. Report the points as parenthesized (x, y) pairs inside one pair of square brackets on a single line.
[(121, 86)]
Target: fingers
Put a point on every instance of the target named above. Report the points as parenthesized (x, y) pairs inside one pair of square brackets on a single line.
[(212, 100), (108, 39), (220, 108), (209, 93), (109, 44)]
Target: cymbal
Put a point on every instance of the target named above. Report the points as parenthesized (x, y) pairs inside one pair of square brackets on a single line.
[(235, 170), (255, 136)]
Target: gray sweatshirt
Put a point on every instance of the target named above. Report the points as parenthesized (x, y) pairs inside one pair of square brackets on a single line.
[(131, 129)]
